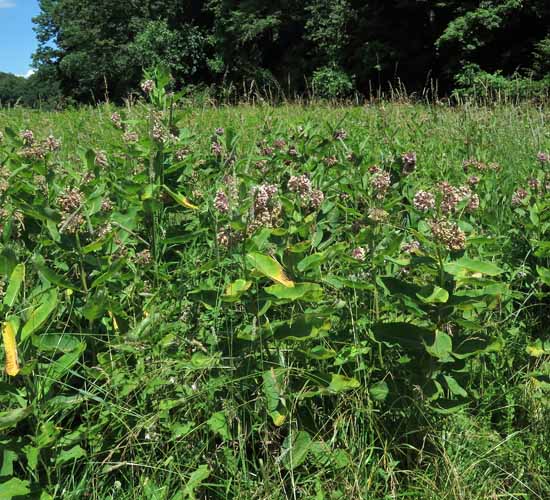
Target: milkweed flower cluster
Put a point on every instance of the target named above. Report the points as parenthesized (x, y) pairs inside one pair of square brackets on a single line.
[(301, 185), (543, 157), (340, 134), (116, 120), (227, 237), (143, 258), (381, 182), (53, 144), (424, 201), (130, 137), (377, 215), (148, 86), (101, 159), (452, 196), (266, 209), (411, 247), (70, 201), (409, 162), (479, 166), (221, 202), (359, 254), (17, 218), (216, 148), (28, 137), (448, 233), (330, 161), (519, 196)]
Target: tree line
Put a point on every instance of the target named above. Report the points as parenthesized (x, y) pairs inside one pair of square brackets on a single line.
[(90, 49)]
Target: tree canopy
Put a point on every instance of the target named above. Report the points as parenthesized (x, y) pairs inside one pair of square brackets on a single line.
[(93, 48)]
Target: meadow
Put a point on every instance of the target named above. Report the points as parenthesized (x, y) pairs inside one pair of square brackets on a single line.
[(271, 302)]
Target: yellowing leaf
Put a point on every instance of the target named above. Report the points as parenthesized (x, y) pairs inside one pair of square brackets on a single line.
[(269, 267), (182, 200), (10, 347)]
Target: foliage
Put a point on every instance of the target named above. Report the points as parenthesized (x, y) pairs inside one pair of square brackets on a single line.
[(331, 82), (275, 302)]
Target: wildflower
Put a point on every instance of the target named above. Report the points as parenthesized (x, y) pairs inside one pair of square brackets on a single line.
[(330, 161), (381, 182), (300, 184), (143, 258), (473, 180), (543, 157), (53, 144), (34, 152), (221, 202), (130, 137), (340, 135), (377, 215), (279, 144), (409, 162), (148, 86), (411, 247), (316, 199), (534, 184), (28, 137), (292, 151), (359, 254), (424, 201), (158, 133), (101, 159), (70, 200), (4, 179), (220, 131), (473, 204), (216, 148), (105, 230), (265, 209), (227, 237), (519, 196), (374, 169), (116, 120), (182, 153), (106, 205), (448, 233)]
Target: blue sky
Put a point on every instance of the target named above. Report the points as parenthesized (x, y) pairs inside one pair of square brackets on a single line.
[(17, 39)]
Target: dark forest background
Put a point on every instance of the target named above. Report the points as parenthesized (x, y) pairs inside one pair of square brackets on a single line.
[(90, 49)]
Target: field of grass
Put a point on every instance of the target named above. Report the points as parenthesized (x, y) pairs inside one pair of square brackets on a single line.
[(275, 302)]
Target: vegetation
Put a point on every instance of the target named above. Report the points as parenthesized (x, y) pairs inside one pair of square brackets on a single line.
[(93, 49), (275, 302)]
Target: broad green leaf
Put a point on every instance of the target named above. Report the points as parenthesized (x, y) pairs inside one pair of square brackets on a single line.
[(454, 386), (195, 481), (320, 352), (70, 455), (302, 328), (218, 424), (465, 265), (8, 457), (14, 488), (311, 261), (16, 280), (237, 288), (10, 418), (295, 449), (379, 391), (269, 267), (442, 346), (310, 292), (55, 342), (437, 296), (538, 348), (544, 274), (273, 383), (40, 314), (407, 335), (53, 277), (341, 383)]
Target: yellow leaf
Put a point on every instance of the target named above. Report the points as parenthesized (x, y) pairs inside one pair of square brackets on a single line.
[(179, 198), (10, 348)]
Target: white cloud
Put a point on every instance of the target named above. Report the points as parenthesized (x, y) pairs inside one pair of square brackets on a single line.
[(6, 4), (28, 73)]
